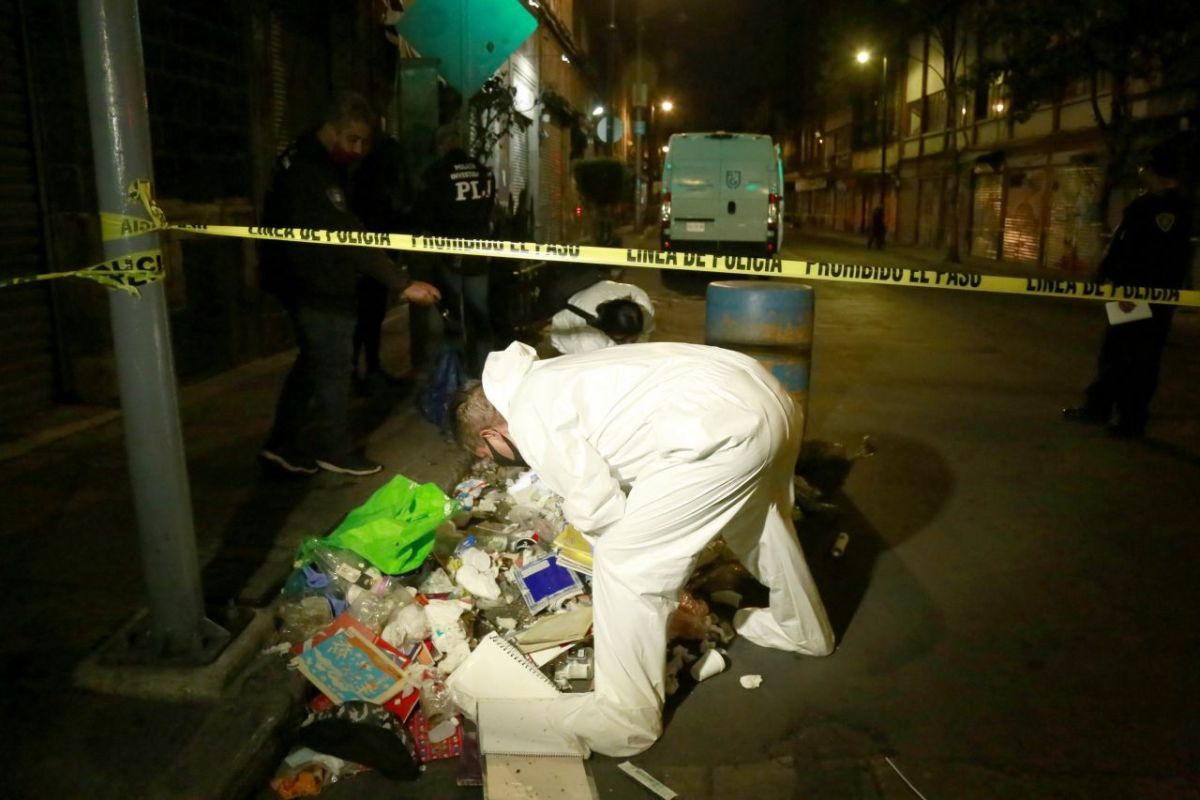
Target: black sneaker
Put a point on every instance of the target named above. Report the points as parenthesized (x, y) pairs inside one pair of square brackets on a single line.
[(289, 461), (350, 464)]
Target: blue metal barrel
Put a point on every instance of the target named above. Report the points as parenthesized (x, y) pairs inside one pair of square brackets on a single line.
[(770, 322)]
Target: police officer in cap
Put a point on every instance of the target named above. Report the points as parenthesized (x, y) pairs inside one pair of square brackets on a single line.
[(317, 286), (1149, 248)]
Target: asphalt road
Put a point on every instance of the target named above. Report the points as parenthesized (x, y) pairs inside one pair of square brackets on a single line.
[(1015, 605)]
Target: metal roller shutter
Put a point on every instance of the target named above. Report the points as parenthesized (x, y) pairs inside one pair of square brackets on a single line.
[(1073, 242), (985, 215), (26, 331), (1023, 215)]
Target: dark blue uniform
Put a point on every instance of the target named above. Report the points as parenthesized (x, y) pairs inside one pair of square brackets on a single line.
[(318, 287), (1149, 248)]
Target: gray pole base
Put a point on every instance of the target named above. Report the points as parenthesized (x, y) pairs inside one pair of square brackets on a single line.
[(129, 664)]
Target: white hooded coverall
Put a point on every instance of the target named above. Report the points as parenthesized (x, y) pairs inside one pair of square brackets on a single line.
[(570, 333), (657, 449)]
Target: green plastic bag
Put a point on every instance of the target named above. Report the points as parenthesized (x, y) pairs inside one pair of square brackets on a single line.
[(394, 530)]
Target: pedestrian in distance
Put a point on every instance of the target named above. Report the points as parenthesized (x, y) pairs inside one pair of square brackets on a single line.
[(317, 286), (878, 229), (656, 449), (456, 198), (1150, 247)]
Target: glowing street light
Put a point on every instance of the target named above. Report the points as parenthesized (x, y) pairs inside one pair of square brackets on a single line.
[(598, 111), (667, 105), (862, 57)]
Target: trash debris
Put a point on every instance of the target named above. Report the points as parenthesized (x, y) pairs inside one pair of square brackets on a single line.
[(344, 664), (300, 619), (646, 779), (543, 582), (366, 734), (690, 619), (710, 664), (726, 597), (574, 550), (422, 613), (751, 681), (839, 545), (394, 530), (827, 464)]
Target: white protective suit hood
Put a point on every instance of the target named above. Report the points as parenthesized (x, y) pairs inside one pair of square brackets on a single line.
[(503, 372)]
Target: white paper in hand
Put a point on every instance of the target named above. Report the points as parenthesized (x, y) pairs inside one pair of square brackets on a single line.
[(1118, 316)]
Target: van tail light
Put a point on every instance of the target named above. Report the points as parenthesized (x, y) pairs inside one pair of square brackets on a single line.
[(773, 209), (665, 222)]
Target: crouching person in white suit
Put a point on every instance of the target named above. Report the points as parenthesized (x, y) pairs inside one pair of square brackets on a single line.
[(604, 314), (656, 449)]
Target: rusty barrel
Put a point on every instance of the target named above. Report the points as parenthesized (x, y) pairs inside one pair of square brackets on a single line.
[(770, 322)]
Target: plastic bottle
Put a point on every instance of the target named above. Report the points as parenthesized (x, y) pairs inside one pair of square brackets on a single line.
[(346, 568)]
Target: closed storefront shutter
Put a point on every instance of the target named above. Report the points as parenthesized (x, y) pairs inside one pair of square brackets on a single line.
[(1023, 215), (985, 215), (27, 365), (927, 216), (1073, 242)]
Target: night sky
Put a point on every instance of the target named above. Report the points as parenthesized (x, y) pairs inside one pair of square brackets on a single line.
[(721, 61)]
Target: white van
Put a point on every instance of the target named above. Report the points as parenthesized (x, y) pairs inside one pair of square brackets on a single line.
[(722, 193)]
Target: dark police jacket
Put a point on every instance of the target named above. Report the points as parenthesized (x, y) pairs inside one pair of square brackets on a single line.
[(1151, 245), (456, 197), (308, 190)]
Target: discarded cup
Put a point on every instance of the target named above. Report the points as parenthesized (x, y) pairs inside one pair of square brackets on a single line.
[(709, 664)]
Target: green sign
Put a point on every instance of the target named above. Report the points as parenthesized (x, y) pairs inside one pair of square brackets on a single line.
[(471, 38)]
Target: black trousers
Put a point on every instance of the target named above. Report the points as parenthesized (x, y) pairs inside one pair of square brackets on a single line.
[(372, 301), (1128, 366)]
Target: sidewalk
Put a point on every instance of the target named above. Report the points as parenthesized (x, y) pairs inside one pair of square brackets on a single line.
[(819, 240), (70, 542)]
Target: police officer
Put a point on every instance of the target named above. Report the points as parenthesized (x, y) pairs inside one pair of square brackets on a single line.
[(317, 288), (456, 199), (381, 198), (1149, 248)]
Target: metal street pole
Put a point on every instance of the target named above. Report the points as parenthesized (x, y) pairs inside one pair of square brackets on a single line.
[(116, 91)]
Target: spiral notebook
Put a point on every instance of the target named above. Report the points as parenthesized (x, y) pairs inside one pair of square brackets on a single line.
[(497, 669)]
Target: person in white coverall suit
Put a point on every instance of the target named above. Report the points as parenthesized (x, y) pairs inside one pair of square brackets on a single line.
[(656, 449), (572, 333)]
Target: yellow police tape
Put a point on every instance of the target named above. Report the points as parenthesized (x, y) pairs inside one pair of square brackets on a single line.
[(136, 269), (724, 266), (126, 272)]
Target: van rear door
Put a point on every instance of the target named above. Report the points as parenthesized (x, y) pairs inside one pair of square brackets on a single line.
[(695, 194), (746, 176)]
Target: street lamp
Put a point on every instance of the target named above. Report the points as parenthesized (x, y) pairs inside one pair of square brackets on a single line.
[(862, 57), (667, 105)]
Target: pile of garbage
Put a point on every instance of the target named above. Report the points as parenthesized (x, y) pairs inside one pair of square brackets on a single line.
[(380, 614)]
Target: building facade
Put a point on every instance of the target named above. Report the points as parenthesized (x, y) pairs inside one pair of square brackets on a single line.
[(229, 84), (1026, 193)]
